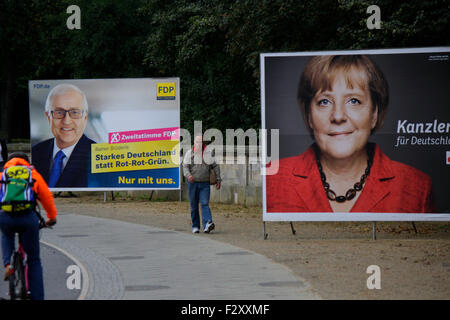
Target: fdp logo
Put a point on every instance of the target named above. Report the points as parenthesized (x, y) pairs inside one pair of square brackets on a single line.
[(448, 157), (165, 91)]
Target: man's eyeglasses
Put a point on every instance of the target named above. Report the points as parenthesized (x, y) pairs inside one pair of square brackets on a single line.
[(61, 114)]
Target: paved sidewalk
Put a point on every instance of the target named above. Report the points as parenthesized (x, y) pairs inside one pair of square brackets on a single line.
[(131, 261)]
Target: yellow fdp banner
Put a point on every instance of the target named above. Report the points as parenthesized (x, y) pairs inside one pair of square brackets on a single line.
[(134, 156)]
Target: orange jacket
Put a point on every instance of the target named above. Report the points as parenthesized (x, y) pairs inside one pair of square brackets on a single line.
[(40, 187)]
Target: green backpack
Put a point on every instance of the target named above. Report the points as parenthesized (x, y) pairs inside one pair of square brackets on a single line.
[(16, 192)]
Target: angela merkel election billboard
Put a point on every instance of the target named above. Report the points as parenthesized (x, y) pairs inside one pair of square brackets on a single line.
[(363, 135), (106, 134)]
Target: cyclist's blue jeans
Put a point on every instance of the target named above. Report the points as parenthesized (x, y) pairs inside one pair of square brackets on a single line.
[(199, 192), (28, 226)]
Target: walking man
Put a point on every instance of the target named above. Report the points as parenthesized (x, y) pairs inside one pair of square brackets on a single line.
[(198, 174)]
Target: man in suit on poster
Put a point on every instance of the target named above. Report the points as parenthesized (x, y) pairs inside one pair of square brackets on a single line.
[(64, 160), (3, 153)]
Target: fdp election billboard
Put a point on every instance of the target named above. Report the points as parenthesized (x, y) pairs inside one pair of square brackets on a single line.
[(106, 134), (363, 135)]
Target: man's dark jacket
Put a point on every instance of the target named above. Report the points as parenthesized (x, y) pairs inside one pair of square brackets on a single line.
[(75, 173), (4, 150)]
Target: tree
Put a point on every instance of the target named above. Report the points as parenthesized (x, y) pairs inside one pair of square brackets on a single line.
[(26, 45), (188, 40), (213, 46), (36, 44)]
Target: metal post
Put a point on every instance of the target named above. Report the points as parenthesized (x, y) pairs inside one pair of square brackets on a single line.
[(292, 228), (181, 182), (112, 196), (104, 196), (264, 231), (374, 230), (414, 226)]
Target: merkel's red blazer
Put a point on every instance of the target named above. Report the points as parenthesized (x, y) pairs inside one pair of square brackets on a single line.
[(391, 187)]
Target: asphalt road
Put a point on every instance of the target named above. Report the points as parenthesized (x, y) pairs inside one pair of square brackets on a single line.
[(55, 266), (123, 260)]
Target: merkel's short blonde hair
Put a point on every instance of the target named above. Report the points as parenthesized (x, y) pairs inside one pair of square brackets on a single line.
[(360, 70)]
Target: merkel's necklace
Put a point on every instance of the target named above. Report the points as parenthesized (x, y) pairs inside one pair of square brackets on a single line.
[(351, 193)]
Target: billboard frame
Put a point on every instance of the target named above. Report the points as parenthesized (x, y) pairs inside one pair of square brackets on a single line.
[(177, 81), (334, 216)]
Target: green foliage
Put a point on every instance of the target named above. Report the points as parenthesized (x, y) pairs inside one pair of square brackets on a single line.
[(188, 40), (404, 24), (213, 46), (109, 43)]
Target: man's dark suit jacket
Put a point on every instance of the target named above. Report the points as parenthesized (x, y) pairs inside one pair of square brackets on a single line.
[(4, 150), (75, 173)]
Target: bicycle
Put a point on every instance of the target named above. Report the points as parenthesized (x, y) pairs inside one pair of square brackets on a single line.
[(18, 281)]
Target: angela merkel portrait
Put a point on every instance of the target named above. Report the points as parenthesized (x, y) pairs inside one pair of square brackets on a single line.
[(343, 100)]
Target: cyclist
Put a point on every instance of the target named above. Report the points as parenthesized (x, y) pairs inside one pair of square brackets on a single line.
[(26, 223)]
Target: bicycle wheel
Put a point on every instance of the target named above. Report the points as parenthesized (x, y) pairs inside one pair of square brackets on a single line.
[(17, 288), (12, 284)]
